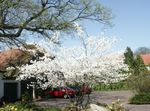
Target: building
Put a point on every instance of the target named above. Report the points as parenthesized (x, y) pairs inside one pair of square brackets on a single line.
[(146, 60), (10, 88)]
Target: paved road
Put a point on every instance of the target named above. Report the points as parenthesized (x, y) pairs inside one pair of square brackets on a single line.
[(102, 97), (124, 96)]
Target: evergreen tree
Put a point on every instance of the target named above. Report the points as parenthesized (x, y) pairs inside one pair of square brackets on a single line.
[(135, 64), (139, 67), (129, 58)]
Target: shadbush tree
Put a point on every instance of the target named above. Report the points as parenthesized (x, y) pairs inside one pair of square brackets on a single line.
[(90, 62)]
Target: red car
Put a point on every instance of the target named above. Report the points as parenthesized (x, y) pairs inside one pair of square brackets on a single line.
[(64, 92)]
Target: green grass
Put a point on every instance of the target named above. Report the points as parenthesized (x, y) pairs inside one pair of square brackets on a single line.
[(111, 86), (141, 98)]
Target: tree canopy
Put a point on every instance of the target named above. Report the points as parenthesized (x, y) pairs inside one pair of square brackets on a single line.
[(90, 62), (135, 63), (129, 58), (46, 16)]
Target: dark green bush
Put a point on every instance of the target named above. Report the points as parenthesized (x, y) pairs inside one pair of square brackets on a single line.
[(26, 97), (141, 98)]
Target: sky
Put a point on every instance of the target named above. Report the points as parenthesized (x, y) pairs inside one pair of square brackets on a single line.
[(131, 23)]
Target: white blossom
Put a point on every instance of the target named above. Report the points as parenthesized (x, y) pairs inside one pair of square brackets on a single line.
[(92, 61)]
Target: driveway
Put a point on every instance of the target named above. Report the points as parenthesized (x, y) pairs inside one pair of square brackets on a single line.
[(102, 97), (123, 96)]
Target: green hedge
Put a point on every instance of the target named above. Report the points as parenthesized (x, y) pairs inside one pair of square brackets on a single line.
[(141, 98), (111, 86)]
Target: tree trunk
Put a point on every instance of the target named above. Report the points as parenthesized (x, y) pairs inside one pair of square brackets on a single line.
[(33, 92)]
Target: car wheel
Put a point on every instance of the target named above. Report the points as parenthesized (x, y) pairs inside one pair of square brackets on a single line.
[(66, 96), (49, 96)]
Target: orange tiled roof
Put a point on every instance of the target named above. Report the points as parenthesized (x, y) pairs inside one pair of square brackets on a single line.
[(146, 59), (8, 57)]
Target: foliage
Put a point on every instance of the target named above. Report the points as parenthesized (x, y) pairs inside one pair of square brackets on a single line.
[(11, 72), (140, 83), (79, 103), (71, 107), (44, 17), (139, 75), (135, 63), (114, 106), (129, 58), (139, 66), (30, 46), (26, 97), (141, 98), (122, 85), (19, 106)]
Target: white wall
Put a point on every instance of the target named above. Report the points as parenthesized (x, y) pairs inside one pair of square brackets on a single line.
[(1, 87)]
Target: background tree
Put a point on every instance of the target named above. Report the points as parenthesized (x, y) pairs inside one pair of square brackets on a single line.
[(139, 75), (142, 50), (44, 17), (134, 62), (140, 67), (129, 58)]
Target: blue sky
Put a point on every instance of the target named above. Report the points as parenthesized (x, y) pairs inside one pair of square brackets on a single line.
[(131, 23)]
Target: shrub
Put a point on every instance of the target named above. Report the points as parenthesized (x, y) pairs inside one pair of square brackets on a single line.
[(19, 106), (114, 106), (122, 85), (141, 98), (26, 97), (140, 83)]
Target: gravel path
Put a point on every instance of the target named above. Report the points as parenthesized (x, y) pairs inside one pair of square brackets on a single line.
[(102, 97)]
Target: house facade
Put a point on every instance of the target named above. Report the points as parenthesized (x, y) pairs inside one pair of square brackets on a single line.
[(10, 90), (10, 60), (146, 60)]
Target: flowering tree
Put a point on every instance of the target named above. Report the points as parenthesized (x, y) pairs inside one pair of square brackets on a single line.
[(92, 61), (45, 72), (42, 71), (89, 62)]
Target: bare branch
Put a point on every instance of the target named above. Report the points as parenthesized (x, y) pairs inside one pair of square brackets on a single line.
[(17, 16)]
